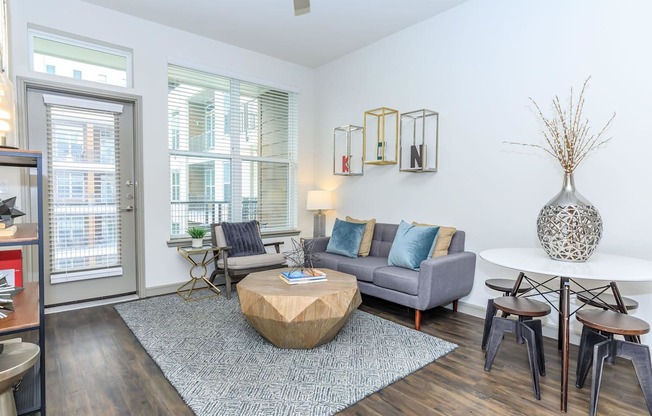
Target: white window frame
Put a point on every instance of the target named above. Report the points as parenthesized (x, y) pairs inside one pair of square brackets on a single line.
[(88, 44), (291, 160)]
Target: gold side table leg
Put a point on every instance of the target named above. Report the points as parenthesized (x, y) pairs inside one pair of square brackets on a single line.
[(186, 294)]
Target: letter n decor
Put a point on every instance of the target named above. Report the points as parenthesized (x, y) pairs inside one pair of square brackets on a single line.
[(419, 141), (347, 151)]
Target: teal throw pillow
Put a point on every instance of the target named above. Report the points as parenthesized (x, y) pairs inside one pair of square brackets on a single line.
[(412, 245), (346, 238)]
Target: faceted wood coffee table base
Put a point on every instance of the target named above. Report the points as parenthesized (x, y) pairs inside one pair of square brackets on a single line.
[(298, 316)]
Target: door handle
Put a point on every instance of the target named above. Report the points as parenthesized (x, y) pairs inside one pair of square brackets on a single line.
[(128, 208)]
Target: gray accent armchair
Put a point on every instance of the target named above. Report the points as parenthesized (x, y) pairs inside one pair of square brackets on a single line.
[(237, 268)]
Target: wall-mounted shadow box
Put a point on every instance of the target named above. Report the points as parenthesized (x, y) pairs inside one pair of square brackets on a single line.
[(348, 150), (381, 136), (419, 141)]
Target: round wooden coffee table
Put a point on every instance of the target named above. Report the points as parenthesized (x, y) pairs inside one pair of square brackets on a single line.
[(298, 316)]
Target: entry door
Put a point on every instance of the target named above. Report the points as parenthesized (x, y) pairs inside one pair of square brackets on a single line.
[(89, 193)]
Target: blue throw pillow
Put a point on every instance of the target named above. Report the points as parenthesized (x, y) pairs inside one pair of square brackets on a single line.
[(346, 238), (412, 245)]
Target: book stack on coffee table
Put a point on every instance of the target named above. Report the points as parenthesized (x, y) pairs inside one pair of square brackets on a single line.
[(297, 277)]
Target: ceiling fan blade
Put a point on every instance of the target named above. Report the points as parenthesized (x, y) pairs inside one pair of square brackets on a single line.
[(301, 7)]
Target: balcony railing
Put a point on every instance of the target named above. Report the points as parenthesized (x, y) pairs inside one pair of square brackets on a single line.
[(202, 213)]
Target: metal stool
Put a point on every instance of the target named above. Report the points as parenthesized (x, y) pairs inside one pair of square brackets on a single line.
[(525, 327), (598, 344), (16, 359), (505, 286)]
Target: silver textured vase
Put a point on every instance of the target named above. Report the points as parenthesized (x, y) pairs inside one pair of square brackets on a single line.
[(569, 226)]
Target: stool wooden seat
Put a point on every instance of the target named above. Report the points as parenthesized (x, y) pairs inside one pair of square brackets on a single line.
[(610, 300), (505, 286), (524, 328), (522, 306), (613, 322), (598, 344)]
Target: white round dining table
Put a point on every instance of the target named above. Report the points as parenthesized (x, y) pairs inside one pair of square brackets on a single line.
[(600, 266)]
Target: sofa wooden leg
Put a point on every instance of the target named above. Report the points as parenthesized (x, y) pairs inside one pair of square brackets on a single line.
[(455, 302), (417, 320)]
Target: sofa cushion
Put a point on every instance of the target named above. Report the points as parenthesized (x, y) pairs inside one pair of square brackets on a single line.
[(243, 238), (346, 238), (368, 235), (362, 267), (384, 235), (397, 278), (443, 240), (411, 245), (327, 261)]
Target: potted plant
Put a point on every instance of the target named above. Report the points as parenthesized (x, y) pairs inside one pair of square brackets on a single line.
[(197, 234)]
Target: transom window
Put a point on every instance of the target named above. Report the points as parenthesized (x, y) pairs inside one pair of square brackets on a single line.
[(79, 59)]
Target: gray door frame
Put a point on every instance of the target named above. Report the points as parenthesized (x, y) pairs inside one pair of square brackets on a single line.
[(23, 83)]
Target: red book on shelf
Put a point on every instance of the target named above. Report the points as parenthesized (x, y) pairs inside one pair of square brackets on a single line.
[(11, 265)]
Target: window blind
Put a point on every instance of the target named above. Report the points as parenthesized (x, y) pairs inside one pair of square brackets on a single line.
[(83, 194), (233, 152)]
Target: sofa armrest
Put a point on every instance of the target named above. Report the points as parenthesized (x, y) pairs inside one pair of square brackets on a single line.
[(445, 279), (319, 245)]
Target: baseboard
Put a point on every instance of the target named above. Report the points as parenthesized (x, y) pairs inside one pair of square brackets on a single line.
[(171, 288), (161, 290), (549, 330)]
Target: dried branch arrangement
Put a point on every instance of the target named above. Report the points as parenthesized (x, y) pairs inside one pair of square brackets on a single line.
[(567, 136)]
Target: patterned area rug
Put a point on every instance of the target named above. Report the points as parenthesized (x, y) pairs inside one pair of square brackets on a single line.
[(221, 366)]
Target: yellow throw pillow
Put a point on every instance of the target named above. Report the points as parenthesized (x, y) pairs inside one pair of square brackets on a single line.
[(444, 238), (365, 246)]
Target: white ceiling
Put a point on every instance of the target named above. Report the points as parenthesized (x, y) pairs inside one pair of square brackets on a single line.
[(333, 28)]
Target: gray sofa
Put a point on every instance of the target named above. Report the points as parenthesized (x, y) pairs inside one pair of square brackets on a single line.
[(440, 281)]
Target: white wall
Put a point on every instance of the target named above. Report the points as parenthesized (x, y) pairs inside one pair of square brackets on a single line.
[(476, 65), (153, 45)]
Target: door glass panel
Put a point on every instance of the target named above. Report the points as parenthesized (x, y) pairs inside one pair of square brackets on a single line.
[(84, 196)]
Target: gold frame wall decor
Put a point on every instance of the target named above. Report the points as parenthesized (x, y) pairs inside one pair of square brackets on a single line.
[(419, 141), (348, 150), (383, 123)]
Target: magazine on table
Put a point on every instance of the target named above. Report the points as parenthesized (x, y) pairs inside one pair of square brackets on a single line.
[(303, 276)]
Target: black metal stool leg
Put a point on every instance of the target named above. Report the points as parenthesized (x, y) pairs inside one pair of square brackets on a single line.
[(640, 356), (488, 319), (589, 339), (529, 336), (498, 328), (600, 352), (535, 325)]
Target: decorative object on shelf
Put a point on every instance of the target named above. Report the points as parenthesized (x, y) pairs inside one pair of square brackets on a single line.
[(348, 150), (569, 227), (197, 234), (381, 136), (8, 212), (319, 201), (7, 293), (419, 141), (9, 231)]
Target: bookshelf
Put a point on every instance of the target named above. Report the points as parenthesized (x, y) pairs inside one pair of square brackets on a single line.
[(29, 313)]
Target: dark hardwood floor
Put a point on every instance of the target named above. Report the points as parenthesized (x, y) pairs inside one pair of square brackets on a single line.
[(95, 366)]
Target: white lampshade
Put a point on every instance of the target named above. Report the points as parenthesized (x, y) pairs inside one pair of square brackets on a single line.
[(319, 200)]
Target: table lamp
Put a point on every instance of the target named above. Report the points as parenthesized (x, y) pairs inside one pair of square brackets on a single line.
[(319, 201)]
